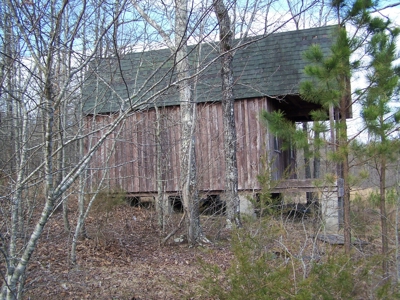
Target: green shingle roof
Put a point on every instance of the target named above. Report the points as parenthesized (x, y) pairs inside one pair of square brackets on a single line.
[(271, 66)]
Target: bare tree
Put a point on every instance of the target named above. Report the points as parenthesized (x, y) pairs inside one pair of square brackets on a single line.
[(188, 180), (188, 116), (231, 170), (41, 90)]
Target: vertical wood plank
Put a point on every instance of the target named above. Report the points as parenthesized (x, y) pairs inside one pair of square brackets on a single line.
[(220, 159), (240, 142), (133, 163), (201, 124)]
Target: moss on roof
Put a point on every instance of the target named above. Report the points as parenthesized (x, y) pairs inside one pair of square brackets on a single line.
[(270, 66)]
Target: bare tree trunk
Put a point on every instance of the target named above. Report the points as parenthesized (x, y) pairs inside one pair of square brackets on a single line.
[(10, 289), (80, 223), (316, 172), (62, 126), (159, 170), (384, 225), (61, 157), (307, 162), (228, 102), (19, 136), (345, 171), (81, 205), (187, 108), (188, 176), (67, 226), (58, 121), (13, 282), (317, 159)]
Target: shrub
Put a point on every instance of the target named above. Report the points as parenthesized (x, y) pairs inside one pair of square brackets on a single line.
[(105, 203), (259, 271)]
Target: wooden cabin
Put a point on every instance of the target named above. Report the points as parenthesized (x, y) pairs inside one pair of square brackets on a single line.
[(267, 74)]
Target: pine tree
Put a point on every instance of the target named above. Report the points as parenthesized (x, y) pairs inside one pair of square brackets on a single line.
[(380, 119), (329, 87), (331, 90)]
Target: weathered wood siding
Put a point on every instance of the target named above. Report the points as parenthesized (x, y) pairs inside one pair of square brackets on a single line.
[(128, 158)]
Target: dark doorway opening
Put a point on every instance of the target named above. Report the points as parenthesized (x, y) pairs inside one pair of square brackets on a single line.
[(176, 203), (212, 205)]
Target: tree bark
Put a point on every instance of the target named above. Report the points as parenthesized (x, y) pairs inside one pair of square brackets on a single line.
[(384, 225), (159, 170), (228, 104), (344, 168), (188, 180), (307, 162), (188, 176)]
